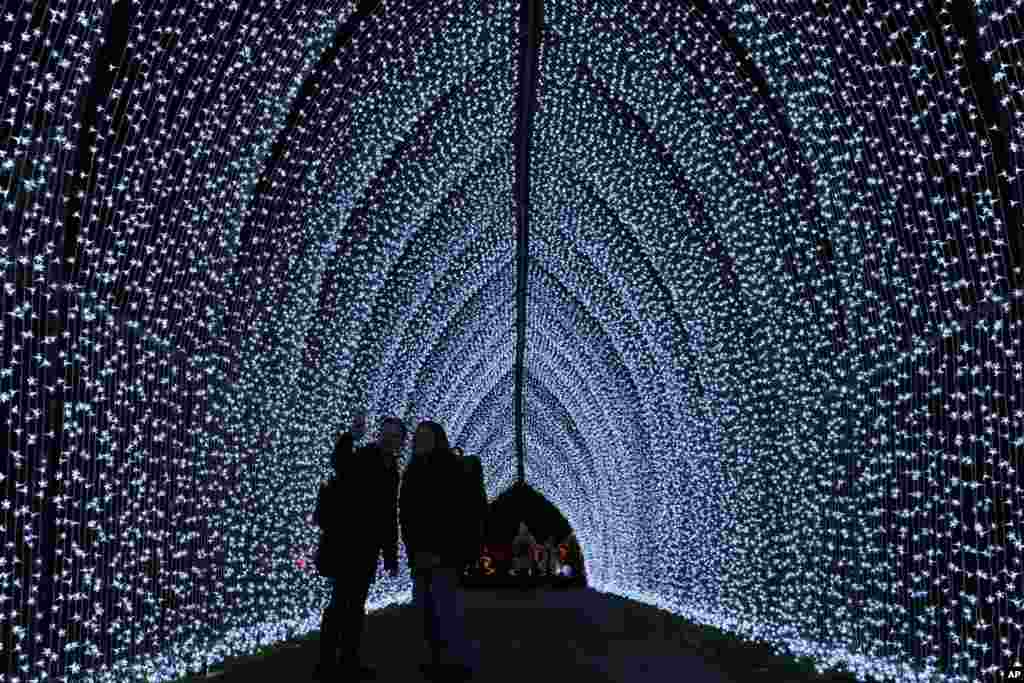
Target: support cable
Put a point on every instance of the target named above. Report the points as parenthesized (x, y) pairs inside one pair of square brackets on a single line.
[(530, 22)]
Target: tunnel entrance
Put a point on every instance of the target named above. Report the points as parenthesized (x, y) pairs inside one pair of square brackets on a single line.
[(506, 560)]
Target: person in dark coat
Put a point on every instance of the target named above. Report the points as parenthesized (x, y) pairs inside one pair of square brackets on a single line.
[(365, 488), (434, 506), (477, 512), (551, 565), (523, 545)]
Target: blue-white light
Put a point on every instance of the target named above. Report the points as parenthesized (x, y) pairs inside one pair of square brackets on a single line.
[(773, 374)]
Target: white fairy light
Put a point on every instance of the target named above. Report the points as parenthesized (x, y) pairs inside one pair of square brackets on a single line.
[(811, 442)]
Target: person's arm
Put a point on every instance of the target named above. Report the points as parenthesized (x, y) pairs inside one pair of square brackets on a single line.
[(341, 460), (344, 447), (405, 503), (469, 518), (391, 536), (480, 495)]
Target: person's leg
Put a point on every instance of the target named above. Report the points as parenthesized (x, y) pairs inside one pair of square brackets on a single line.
[(329, 630), (420, 607), (423, 600), (354, 605), (343, 618), (467, 649), (450, 616)]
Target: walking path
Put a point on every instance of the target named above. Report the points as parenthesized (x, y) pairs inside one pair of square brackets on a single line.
[(540, 635)]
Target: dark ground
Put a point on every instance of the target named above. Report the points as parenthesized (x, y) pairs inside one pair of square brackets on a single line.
[(538, 635)]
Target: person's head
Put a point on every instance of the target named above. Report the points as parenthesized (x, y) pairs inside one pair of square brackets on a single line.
[(391, 435), (430, 437), (358, 423), (523, 531)]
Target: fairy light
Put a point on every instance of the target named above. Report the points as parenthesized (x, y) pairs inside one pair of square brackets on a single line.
[(772, 361), (751, 506)]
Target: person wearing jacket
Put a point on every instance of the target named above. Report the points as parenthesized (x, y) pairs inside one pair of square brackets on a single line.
[(573, 563), (478, 511), (434, 503), (365, 488), (522, 549), (551, 556)]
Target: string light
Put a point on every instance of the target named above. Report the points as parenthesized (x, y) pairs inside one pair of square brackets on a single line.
[(773, 373)]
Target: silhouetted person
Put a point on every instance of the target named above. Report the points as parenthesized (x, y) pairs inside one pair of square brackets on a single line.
[(540, 560), (474, 473), (550, 558), (328, 555), (573, 558), (367, 491), (522, 547), (327, 502), (436, 529)]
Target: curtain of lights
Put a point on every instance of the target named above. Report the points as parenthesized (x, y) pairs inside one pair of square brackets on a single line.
[(772, 371)]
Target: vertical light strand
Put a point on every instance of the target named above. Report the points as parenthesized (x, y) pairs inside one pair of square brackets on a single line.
[(726, 171)]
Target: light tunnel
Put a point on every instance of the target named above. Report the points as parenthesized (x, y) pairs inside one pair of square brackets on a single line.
[(736, 286)]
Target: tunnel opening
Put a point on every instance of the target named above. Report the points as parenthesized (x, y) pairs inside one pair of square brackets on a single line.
[(554, 559)]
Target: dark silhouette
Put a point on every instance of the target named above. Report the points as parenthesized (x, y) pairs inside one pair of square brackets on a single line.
[(326, 502), (440, 534), (365, 488), (573, 559), (523, 545), (496, 565), (550, 566), (474, 472)]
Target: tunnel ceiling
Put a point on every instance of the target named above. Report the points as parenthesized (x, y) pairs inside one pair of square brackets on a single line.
[(773, 260)]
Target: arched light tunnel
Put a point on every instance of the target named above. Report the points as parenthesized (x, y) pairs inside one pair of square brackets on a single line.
[(736, 286)]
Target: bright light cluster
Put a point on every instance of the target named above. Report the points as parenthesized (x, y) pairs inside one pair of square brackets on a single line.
[(744, 392), (773, 377)]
